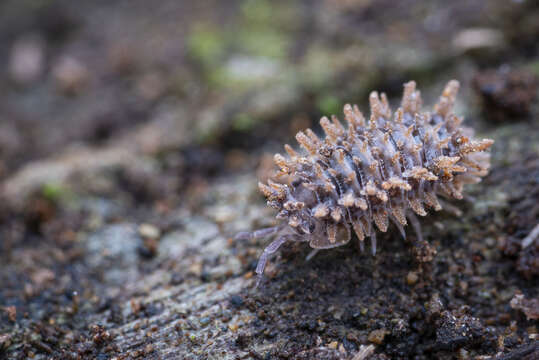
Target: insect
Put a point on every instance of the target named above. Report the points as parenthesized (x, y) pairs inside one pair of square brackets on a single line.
[(362, 176)]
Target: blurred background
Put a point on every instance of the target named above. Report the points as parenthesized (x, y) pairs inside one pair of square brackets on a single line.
[(225, 77), (124, 121)]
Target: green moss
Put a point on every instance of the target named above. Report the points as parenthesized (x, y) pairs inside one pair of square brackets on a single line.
[(261, 30), (328, 104), (263, 42), (317, 68), (221, 78), (54, 192), (218, 77), (205, 44), (243, 122), (534, 67), (257, 11)]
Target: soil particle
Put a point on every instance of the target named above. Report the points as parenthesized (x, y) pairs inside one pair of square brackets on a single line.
[(99, 335), (423, 251), (455, 330), (434, 306), (11, 312), (5, 341), (236, 301), (412, 278), (377, 336)]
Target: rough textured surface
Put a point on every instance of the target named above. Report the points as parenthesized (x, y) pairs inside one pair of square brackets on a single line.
[(175, 110)]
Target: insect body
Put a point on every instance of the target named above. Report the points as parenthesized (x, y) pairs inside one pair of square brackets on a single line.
[(368, 173)]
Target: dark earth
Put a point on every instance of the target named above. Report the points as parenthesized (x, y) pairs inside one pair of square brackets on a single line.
[(132, 136)]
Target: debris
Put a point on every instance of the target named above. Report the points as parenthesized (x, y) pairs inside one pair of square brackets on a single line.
[(364, 352), (455, 330), (5, 342), (412, 278), (149, 231), (11, 312), (377, 336)]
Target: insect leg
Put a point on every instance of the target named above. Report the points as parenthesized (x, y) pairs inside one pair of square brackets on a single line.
[(373, 242), (415, 224), (312, 254), (270, 249), (399, 226), (249, 235), (450, 208)]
